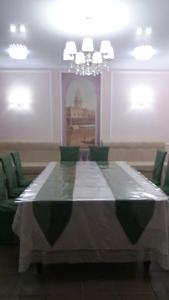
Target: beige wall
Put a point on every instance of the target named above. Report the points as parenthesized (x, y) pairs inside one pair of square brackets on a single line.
[(35, 124), (150, 124), (117, 121)]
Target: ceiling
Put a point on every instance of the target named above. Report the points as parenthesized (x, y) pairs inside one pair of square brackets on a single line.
[(46, 39)]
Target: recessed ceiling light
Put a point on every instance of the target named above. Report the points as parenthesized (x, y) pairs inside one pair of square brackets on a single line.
[(148, 31), (139, 31), (145, 52), (18, 51), (22, 28), (12, 28)]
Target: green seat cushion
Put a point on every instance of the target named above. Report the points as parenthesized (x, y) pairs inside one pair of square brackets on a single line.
[(98, 153), (69, 153)]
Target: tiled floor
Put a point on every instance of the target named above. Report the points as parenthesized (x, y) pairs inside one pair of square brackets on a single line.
[(82, 282)]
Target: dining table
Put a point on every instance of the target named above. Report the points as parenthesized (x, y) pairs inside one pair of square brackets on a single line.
[(92, 212)]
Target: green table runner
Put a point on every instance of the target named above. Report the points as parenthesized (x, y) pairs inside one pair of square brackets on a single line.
[(134, 207), (53, 207)]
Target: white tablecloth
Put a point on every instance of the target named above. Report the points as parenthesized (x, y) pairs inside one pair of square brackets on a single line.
[(93, 233)]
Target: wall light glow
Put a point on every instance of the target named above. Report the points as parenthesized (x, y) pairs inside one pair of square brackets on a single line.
[(141, 97), (20, 99)]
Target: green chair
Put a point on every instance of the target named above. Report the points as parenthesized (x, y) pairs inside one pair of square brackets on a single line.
[(165, 186), (69, 153), (21, 180), (158, 167), (97, 153), (7, 212), (11, 180)]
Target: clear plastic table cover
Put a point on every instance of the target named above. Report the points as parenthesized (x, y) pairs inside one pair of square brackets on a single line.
[(93, 232), (84, 181)]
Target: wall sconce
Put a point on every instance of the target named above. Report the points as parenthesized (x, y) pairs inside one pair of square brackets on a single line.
[(20, 99), (141, 97)]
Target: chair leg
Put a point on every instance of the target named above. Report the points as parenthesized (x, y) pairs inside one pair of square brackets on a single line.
[(146, 267), (39, 268)]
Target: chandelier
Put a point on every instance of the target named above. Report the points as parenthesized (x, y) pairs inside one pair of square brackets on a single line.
[(88, 61)]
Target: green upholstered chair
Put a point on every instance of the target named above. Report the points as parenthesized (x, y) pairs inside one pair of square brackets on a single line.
[(7, 212), (69, 153), (11, 180), (3, 191), (21, 180), (165, 186), (97, 153), (158, 167)]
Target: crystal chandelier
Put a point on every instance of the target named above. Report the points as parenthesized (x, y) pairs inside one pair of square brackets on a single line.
[(88, 61)]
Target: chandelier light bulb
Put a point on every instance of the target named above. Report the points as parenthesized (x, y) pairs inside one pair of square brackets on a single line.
[(105, 47), (87, 44), (67, 56), (97, 58), (110, 55), (18, 51), (80, 58), (71, 47)]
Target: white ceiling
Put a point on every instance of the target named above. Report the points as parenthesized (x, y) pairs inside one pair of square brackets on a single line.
[(46, 40)]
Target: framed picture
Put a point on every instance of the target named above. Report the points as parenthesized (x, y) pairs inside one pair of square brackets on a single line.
[(81, 109)]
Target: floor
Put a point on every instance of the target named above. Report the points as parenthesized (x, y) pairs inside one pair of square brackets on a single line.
[(82, 282)]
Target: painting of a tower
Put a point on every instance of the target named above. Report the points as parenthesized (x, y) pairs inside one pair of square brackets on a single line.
[(81, 100)]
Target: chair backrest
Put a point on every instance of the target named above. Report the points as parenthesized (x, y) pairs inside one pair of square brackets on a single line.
[(165, 186), (69, 153), (3, 192), (18, 167), (97, 153), (158, 167), (7, 165)]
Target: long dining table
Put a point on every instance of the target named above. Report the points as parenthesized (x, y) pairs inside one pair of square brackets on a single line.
[(92, 212)]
